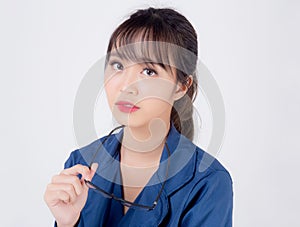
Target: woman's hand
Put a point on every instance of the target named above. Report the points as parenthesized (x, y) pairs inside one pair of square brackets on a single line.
[(66, 195)]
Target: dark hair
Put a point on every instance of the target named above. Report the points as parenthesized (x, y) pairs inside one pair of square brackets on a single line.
[(168, 26)]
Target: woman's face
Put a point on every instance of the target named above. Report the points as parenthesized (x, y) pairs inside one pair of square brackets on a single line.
[(139, 92)]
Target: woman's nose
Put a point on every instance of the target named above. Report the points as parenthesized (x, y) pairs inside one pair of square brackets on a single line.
[(129, 80)]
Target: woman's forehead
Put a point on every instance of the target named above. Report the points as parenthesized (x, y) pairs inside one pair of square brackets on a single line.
[(145, 52)]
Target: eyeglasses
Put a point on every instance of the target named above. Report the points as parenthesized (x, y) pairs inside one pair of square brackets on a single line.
[(123, 201)]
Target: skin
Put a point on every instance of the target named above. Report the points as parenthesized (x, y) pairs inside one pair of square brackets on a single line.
[(154, 91), (67, 194), (150, 89)]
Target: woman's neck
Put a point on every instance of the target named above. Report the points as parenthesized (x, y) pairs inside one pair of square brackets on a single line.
[(143, 146), (140, 158)]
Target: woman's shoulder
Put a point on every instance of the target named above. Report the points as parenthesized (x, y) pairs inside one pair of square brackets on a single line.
[(210, 173), (208, 164), (190, 154), (84, 154), (196, 169), (212, 180), (209, 193)]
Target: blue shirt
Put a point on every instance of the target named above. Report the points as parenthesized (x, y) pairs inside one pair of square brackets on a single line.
[(198, 191)]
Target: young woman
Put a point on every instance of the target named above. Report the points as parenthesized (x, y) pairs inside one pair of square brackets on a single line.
[(147, 174)]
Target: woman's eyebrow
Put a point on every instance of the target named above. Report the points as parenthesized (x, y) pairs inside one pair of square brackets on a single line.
[(138, 59)]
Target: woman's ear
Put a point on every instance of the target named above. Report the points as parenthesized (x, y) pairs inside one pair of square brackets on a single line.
[(183, 88)]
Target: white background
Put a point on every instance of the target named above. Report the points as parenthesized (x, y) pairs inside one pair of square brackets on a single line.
[(251, 48)]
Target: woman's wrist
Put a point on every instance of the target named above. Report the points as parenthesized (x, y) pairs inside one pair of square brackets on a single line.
[(71, 225)]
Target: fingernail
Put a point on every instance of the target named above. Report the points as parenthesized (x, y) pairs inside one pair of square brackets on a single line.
[(94, 166)]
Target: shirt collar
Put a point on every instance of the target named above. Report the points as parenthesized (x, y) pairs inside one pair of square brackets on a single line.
[(180, 171)]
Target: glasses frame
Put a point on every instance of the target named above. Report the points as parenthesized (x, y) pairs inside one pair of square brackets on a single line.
[(121, 200)]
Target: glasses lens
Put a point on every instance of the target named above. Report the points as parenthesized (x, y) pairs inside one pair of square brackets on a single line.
[(125, 203), (135, 206)]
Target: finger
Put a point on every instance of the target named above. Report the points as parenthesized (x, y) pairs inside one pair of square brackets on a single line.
[(77, 169), (93, 170), (68, 179), (62, 192), (53, 198)]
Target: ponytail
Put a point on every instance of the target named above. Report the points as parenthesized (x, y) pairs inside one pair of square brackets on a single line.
[(182, 110)]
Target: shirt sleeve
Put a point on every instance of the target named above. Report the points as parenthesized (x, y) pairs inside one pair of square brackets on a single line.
[(76, 225), (211, 203), (73, 159)]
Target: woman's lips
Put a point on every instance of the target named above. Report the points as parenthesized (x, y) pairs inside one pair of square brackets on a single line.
[(126, 107)]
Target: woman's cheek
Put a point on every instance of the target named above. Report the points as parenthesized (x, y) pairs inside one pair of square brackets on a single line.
[(110, 94), (157, 88)]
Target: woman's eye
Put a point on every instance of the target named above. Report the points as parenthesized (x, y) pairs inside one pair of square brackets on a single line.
[(149, 72), (117, 66)]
